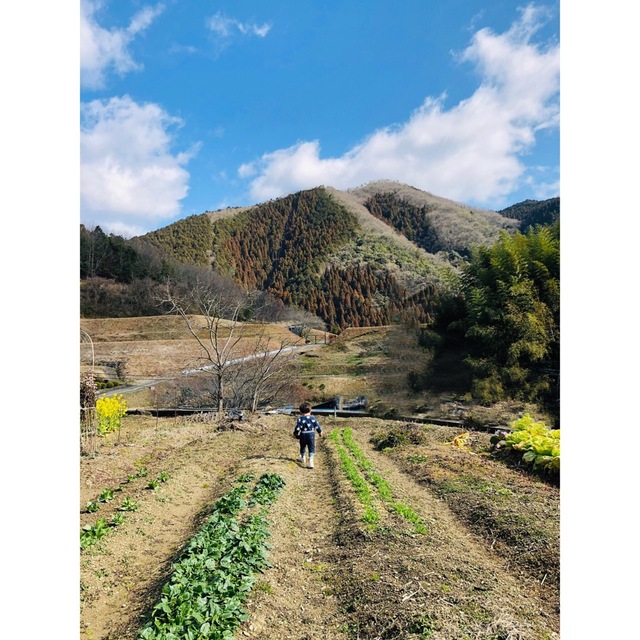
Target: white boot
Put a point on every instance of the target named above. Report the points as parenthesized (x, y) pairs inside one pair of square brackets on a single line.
[(302, 459), (311, 461)]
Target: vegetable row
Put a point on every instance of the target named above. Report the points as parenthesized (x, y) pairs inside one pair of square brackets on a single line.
[(205, 596), (364, 479)]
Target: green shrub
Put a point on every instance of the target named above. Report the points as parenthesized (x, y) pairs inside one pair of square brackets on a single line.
[(535, 443), (487, 391)]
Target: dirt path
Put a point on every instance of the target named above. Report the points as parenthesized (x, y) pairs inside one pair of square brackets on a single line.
[(294, 598), (333, 575)]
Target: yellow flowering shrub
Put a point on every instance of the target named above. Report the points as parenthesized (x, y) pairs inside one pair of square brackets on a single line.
[(110, 412)]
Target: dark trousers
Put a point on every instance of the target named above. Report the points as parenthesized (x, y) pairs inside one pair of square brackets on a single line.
[(308, 439)]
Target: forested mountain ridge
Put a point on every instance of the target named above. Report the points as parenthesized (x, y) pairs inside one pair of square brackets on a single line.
[(380, 253), (310, 251), (433, 223), (534, 212)]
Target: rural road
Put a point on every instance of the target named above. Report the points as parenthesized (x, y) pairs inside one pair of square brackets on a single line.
[(142, 384)]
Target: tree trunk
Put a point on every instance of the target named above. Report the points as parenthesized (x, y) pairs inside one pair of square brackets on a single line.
[(220, 396)]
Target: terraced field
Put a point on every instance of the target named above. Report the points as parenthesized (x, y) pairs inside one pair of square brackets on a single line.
[(396, 532)]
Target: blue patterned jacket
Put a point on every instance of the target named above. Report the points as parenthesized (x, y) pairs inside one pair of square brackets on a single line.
[(306, 424)]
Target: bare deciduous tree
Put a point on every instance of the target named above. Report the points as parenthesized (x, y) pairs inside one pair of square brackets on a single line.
[(212, 316), (245, 367), (264, 372)]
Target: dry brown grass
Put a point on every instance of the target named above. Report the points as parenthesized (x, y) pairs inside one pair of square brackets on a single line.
[(362, 361), (160, 346)]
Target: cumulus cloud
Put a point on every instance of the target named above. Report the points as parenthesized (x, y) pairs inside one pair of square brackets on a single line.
[(102, 49), (470, 152), (127, 169)]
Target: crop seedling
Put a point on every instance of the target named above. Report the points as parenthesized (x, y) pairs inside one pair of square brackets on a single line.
[(90, 534), (360, 486), (116, 520), (381, 485), (92, 506), (232, 502), (267, 489), (204, 597), (142, 472), (129, 505), (153, 484), (106, 495), (163, 477)]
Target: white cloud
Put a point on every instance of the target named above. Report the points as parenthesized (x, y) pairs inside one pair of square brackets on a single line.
[(470, 152), (128, 175), (225, 27), (101, 49)]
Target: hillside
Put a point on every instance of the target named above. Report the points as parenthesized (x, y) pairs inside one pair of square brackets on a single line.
[(382, 253), (433, 223), (532, 212)]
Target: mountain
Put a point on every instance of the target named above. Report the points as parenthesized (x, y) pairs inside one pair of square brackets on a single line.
[(533, 212), (366, 256)]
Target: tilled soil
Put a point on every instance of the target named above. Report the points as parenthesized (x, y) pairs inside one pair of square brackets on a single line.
[(333, 575)]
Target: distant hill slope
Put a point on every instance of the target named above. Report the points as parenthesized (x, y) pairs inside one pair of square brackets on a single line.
[(532, 212), (368, 256), (188, 240), (433, 223), (311, 251)]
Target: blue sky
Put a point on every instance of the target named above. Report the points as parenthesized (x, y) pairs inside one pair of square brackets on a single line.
[(191, 106)]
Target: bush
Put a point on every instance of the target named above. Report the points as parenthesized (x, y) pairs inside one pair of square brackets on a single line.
[(110, 412), (488, 390), (535, 443), (397, 436), (428, 339)]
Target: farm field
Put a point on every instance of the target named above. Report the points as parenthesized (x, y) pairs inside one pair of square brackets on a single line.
[(396, 533)]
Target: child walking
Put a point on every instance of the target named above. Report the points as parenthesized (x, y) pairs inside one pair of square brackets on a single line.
[(305, 430)]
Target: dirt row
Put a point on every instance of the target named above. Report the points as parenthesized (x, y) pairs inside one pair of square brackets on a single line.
[(333, 575)]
